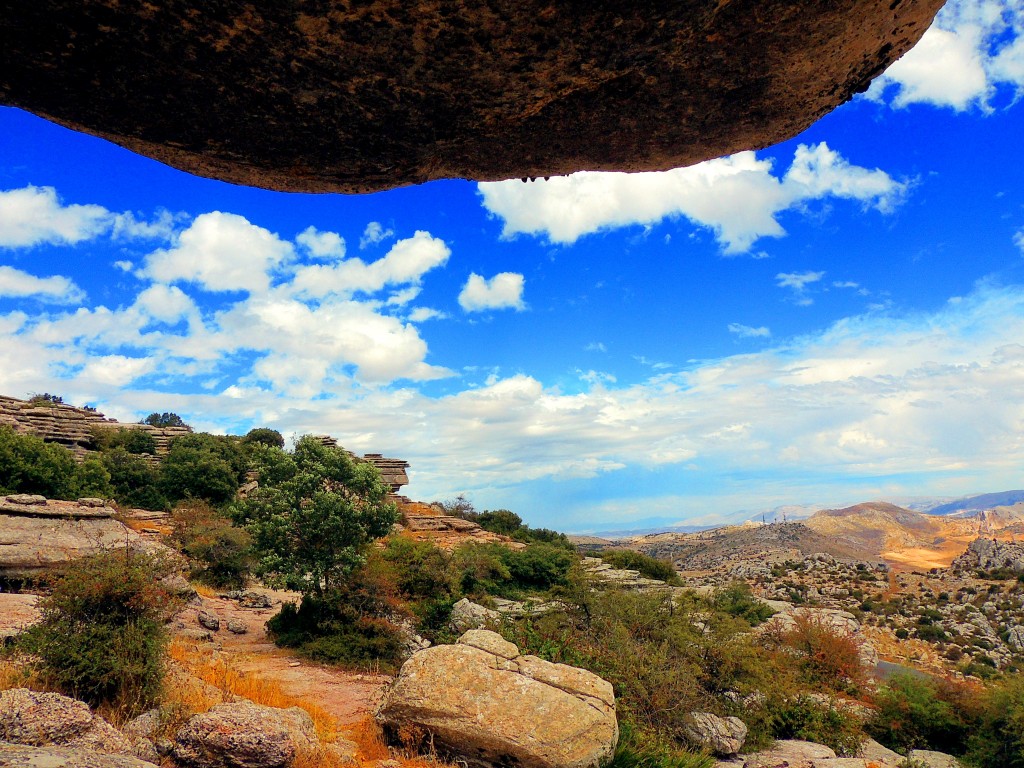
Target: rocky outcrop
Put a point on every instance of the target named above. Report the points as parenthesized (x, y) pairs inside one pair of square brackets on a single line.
[(355, 98), (429, 522), (721, 735), (20, 756), (931, 759), (988, 554), (789, 754), (244, 735), (73, 427), (37, 534), (49, 719), (469, 615), (624, 578), (485, 704)]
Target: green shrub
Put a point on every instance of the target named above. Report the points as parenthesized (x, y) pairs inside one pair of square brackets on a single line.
[(270, 438), (538, 566), (30, 465), (219, 552), (420, 569), (638, 750), (133, 440), (806, 719), (738, 600), (164, 420), (103, 636), (133, 480), (998, 739), (650, 567), (918, 713), (202, 466)]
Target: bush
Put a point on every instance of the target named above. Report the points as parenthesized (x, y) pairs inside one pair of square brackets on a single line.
[(650, 567), (30, 465), (133, 480), (640, 750), (202, 466), (738, 600), (164, 420), (218, 550), (806, 719), (138, 441), (270, 438), (918, 713), (102, 636), (825, 656), (538, 566), (998, 740)]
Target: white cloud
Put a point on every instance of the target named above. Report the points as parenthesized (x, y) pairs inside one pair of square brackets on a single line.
[(220, 252), (595, 346), (57, 289), (503, 291), (972, 48), (737, 197), (422, 314), (321, 245), (749, 332), (1018, 240), (407, 262), (35, 215), (798, 281), (373, 234)]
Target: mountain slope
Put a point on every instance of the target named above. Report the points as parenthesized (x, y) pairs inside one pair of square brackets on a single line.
[(977, 503)]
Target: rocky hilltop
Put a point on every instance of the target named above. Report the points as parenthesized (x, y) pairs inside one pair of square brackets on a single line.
[(73, 427)]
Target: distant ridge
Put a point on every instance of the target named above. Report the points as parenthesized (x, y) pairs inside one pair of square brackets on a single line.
[(978, 503)]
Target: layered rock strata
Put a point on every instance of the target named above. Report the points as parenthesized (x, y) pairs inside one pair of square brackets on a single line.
[(327, 95)]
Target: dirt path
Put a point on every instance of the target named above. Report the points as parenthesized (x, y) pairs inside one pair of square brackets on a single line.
[(347, 696)]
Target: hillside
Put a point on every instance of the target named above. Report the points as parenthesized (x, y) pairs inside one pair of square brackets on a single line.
[(978, 503)]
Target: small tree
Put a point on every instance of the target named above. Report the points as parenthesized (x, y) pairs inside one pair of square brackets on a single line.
[(264, 436), (313, 515), (164, 420)]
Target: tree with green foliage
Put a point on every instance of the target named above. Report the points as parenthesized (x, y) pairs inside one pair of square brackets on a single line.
[(133, 480), (133, 440), (164, 420), (103, 632), (28, 464), (312, 522), (263, 436), (202, 466), (998, 740), (219, 551), (648, 566), (915, 712)]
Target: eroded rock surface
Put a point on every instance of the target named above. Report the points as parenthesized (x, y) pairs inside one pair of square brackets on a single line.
[(323, 95), (487, 705), (49, 719), (21, 756)]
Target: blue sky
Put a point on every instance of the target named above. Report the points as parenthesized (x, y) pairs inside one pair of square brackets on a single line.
[(834, 319)]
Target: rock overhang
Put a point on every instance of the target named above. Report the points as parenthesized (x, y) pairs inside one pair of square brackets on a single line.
[(327, 95)]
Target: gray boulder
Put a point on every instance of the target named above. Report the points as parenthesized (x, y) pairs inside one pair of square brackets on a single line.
[(244, 735), (23, 756), (469, 615), (48, 719), (791, 754), (933, 759), (1015, 639), (722, 735), (208, 621), (487, 705)]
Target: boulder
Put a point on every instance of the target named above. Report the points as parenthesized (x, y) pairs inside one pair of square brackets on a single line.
[(485, 704), (1015, 638), (933, 759), (244, 735), (361, 97), (236, 627), (872, 750), (469, 615), (722, 735), (21, 756), (49, 719), (208, 621), (790, 754)]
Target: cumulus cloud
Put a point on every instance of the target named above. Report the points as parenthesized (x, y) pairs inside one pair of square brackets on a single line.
[(972, 48), (220, 252), (737, 197), (797, 282), (503, 291), (749, 332), (422, 314), (57, 289), (1018, 240), (373, 234), (35, 215), (407, 262), (321, 245)]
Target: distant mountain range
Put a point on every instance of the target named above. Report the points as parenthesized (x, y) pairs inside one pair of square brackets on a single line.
[(978, 503)]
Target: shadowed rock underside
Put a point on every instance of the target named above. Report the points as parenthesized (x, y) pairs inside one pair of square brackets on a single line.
[(318, 96)]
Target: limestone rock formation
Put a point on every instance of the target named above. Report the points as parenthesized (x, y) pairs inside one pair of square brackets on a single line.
[(931, 759), (37, 536), (244, 735), (790, 753), (721, 735), (21, 756), (331, 96), (988, 554), (49, 719), (487, 705), (469, 615), (73, 427), (429, 522)]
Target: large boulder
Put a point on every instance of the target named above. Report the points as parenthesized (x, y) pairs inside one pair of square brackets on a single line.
[(49, 719), (244, 735), (721, 735), (357, 97), (22, 756), (790, 754), (470, 615), (485, 704), (931, 759)]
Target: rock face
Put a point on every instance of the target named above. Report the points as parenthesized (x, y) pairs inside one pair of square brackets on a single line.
[(19, 756), (244, 735), (721, 735), (332, 96), (49, 719), (35, 537), (73, 427), (487, 705), (790, 754), (987, 554), (933, 759)]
